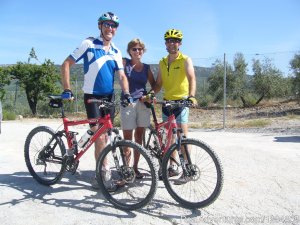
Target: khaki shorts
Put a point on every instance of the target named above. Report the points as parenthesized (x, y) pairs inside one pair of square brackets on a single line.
[(135, 115)]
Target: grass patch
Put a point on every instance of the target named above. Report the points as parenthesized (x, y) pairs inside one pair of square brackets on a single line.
[(9, 115), (206, 124), (251, 123), (291, 116)]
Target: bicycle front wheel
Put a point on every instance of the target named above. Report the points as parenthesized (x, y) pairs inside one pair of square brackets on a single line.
[(43, 153), (204, 179), (119, 183)]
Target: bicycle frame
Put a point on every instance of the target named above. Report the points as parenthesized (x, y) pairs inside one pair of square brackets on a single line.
[(104, 125), (170, 126)]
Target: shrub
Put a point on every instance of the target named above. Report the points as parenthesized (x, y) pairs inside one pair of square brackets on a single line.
[(9, 115)]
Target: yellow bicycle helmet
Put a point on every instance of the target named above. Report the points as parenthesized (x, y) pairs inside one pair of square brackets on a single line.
[(173, 33)]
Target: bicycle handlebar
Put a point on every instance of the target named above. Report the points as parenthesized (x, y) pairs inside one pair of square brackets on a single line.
[(58, 99), (103, 103), (175, 104)]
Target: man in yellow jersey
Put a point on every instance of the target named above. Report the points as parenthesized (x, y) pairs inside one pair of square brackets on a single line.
[(176, 76)]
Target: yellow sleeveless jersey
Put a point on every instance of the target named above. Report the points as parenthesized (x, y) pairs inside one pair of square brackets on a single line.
[(174, 79)]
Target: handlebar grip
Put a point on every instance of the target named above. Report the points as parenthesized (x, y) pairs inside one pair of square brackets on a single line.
[(160, 102), (66, 96)]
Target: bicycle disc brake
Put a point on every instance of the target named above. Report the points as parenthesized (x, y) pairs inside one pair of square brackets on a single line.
[(193, 172), (128, 174)]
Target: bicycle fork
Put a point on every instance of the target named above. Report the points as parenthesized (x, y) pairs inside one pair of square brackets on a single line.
[(125, 171), (183, 162), (113, 141)]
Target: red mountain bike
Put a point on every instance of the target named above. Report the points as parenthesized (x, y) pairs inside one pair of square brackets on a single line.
[(47, 158), (200, 176)]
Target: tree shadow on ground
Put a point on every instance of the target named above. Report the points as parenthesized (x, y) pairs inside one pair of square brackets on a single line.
[(295, 139), (86, 198)]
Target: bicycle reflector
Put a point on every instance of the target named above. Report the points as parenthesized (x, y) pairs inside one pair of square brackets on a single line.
[(55, 103)]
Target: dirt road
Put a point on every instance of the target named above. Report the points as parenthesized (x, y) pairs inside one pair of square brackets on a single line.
[(261, 186)]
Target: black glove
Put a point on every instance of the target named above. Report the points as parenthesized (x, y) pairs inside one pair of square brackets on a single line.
[(127, 100), (67, 94)]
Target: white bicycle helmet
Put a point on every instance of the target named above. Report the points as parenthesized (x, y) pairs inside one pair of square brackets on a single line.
[(109, 16)]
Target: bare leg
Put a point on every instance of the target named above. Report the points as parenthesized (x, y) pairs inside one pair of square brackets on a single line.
[(184, 128), (127, 134), (100, 144), (138, 136)]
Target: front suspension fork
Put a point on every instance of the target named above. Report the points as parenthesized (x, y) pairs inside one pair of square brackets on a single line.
[(178, 134)]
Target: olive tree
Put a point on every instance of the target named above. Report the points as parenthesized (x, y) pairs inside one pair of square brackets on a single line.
[(240, 78), (268, 81), (37, 80), (4, 80), (295, 66)]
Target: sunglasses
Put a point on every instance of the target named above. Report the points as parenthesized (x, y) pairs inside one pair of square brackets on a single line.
[(110, 25), (173, 40), (137, 49)]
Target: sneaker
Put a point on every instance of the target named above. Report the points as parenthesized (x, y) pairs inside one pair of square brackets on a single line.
[(173, 170), (109, 185), (106, 175), (138, 175), (160, 173), (181, 180), (160, 176)]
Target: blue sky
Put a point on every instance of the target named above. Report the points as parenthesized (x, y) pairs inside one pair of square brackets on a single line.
[(211, 28)]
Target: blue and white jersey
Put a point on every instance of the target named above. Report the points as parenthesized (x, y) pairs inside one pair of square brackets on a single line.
[(99, 66)]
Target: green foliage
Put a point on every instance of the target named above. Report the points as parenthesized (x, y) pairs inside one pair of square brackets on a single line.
[(32, 83), (37, 80), (268, 81), (205, 100), (249, 99), (8, 115), (295, 66), (216, 81), (4, 80), (240, 77)]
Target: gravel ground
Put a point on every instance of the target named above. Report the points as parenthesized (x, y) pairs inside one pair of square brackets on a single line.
[(261, 184)]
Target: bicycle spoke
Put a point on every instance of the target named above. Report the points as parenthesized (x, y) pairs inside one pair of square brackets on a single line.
[(43, 155), (130, 193), (202, 183)]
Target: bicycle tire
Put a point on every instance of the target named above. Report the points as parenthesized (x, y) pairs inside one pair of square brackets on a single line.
[(44, 159), (136, 193), (205, 186)]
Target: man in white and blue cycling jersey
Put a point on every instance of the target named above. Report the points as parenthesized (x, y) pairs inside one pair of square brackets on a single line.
[(101, 60)]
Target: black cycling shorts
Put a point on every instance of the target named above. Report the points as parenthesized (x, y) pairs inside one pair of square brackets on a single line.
[(92, 109)]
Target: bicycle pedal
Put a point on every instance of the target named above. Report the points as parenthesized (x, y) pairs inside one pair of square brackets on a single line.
[(74, 167)]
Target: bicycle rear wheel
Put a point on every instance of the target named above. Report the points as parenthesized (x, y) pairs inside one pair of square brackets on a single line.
[(131, 193), (43, 153), (203, 184)]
